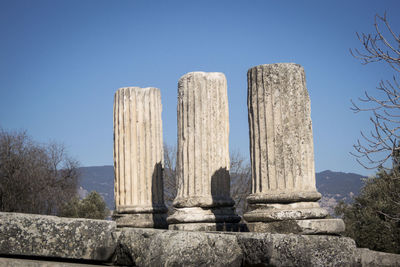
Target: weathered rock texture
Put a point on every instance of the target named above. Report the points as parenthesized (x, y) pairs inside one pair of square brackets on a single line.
[(281, 142), (366, 257), (54, 237), (296, 250), (93, 241), (203, 153), (138, 158), (149, 247), (281, 149), (13, 262)]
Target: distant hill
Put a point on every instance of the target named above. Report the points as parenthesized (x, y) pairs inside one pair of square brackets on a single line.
[(100, 179), (329, 182), (334, 186)]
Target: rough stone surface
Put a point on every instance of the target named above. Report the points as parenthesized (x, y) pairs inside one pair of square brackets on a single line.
[(366, 257), (197, 215), (12, 262), (280, 212), (303, 227), (50, 236), (223, 226), (281, 142), (202, 164), (281, 149), (138, 158), (141, 220), (48, 241), (148, 247), (321, 226), (295, 250), (283, 197)]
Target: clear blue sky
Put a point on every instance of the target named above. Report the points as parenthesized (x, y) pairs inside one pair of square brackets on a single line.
[(62, 61)]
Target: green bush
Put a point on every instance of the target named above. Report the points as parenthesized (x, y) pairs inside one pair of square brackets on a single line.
[(373, 219), (91, 207)]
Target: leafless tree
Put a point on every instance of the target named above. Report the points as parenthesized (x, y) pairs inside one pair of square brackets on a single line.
[(378, 146), (240, 178), (240, 181), (170, 186), (34, 178)]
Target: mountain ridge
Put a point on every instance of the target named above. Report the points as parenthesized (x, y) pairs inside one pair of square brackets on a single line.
[(333, 185)]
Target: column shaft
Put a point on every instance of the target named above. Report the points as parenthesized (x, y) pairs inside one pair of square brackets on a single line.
[(281, 143), (138, 153), (203, 141), (203, 200)]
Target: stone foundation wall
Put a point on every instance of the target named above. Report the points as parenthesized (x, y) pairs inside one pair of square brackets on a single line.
[(100, 242)]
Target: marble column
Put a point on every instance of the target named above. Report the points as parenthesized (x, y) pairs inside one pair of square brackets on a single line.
[(284, 196), (138, 158), (203, 199)]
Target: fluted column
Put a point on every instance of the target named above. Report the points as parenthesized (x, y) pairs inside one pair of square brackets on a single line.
[(281, 149), (138, 158), (281, 146), (203, 197)]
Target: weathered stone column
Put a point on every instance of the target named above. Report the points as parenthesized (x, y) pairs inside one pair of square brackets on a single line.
[(284, 196), (203, 200), (138, 158)]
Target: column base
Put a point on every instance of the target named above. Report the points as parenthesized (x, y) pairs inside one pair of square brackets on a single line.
[(141, 220), (303, 227), (226, 227), (281, 212), (284, 197), (202, 219)]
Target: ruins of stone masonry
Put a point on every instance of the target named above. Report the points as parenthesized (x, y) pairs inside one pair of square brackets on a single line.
[(203, 200), (283, 193), (138, 158), (283, 197)]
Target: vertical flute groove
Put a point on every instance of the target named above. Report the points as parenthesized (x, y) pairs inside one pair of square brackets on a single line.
[(251, 127), (127, 147), (227, 156), (209, 145), (160, 149), (122, 147), (187, 151), (140, 149), (116, 149), (263, 131), (134, 147)]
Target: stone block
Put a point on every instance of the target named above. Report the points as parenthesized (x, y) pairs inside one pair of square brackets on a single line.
[(13, 262), (279, 212), (303, 227), (141, 220), (262, 249), (55, 237), (151, 247), (52, 241), (366, 257)]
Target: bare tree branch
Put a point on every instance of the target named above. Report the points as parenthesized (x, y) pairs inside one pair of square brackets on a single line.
[(376, 148)]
